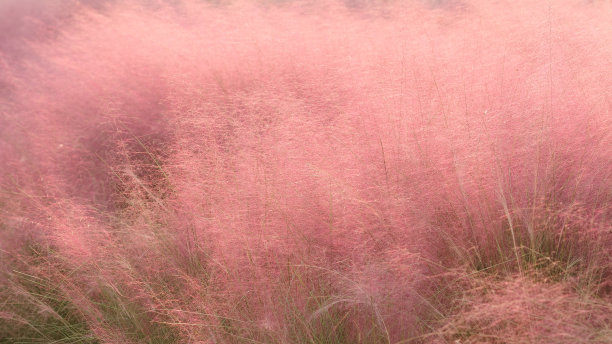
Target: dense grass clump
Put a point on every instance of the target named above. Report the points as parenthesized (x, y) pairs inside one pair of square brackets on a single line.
[(305, 172)]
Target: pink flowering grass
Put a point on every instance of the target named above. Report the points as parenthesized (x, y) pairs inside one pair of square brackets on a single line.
[(306, 172)]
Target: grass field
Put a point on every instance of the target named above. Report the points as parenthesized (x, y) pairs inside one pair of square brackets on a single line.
[(312, 172)]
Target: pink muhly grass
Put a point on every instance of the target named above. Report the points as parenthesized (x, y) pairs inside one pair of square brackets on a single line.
[(306, 173)]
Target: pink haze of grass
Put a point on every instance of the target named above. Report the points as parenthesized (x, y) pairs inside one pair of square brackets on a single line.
[(213, 161)]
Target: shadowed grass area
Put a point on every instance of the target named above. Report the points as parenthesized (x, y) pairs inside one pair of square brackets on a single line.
[(131, 319), (36, 310)]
